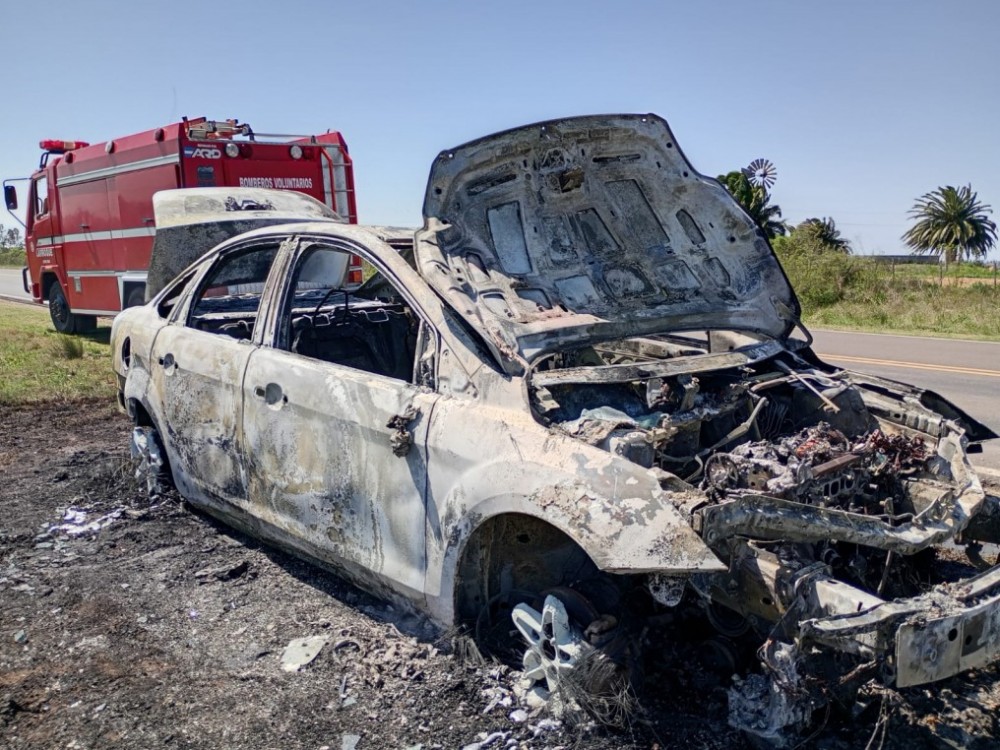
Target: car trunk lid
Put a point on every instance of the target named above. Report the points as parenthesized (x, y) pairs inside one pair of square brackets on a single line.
[(191, 221)]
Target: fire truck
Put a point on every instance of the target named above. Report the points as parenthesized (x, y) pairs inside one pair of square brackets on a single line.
[(89, 226)]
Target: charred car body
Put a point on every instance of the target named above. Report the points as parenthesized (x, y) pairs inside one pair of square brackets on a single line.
[(581, 392)]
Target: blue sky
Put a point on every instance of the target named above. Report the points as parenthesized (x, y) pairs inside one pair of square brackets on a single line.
[(862, 106)]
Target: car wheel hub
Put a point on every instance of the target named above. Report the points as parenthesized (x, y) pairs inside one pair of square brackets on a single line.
[(555, 644)]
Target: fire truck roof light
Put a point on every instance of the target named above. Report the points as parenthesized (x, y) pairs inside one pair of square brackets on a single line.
[(54, 146)]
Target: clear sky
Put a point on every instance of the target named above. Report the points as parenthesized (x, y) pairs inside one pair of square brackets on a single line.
[(862, 105)]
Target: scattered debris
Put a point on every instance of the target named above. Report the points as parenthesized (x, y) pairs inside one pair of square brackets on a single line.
[(302, 651), (224, 572), (487, 740), (75, 523)]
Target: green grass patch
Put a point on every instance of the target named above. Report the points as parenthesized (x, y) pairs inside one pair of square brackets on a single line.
[(12, 257), (841, 291), (38, 364)]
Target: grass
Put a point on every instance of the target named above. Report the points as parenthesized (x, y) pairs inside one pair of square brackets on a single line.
[(38, 364), (12, 257), (841, 291)]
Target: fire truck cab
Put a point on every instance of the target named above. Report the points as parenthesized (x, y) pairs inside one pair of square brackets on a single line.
[(89, 226)]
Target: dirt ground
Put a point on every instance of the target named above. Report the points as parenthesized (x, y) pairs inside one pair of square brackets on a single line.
[(130, 625)]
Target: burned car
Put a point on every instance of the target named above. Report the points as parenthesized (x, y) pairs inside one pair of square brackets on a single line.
[(579, 395)]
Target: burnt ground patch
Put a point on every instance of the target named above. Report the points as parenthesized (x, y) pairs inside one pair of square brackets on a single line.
[(130, 624)]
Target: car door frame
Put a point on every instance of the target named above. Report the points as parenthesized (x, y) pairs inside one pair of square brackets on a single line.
[(371, 530), (226, 484)]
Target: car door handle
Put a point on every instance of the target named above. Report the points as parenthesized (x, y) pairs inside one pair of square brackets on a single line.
[(271, 394)]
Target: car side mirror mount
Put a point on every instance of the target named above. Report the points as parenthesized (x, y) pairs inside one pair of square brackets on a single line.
[(10, 197)]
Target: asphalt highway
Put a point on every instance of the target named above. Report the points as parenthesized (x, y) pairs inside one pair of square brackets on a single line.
[(10, 283), (965, 372)]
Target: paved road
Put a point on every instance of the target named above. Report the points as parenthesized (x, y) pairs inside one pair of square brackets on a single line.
[(10, 283), (966, 372)]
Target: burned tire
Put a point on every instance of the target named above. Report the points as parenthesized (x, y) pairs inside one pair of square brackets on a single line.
[(65, 320)]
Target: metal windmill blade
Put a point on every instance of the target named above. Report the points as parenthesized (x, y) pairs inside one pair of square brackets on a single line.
[(761, 172)]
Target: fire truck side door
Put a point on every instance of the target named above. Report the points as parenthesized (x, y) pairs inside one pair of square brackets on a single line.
[(39, 231)]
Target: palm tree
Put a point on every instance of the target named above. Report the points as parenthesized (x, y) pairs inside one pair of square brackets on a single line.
[(953, 223), (756, 202), (826, 233)]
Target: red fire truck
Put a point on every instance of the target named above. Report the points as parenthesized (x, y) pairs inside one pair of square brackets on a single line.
[(89, 228)]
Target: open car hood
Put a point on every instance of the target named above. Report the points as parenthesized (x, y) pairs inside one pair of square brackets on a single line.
[(191, 221), (588, 228)]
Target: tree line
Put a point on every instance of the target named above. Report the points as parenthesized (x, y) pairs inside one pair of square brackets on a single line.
[(949, 222), (10, 238)]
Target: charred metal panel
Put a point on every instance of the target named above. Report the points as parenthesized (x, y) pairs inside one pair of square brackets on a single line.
[(486, 461), (322, 465), (197, 380), (606, 218)]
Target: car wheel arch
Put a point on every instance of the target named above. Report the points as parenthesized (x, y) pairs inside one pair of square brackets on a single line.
[(511, 550)]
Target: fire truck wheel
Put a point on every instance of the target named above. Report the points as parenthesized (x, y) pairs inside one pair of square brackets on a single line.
[(63, 319)]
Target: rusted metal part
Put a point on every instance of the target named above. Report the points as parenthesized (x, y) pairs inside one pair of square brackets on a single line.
[(626, 373), (766, 517), (401, 439), (932, 649), (943, 599)]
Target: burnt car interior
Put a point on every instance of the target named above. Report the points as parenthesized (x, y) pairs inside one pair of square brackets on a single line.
[(369, 328), (228, 299)]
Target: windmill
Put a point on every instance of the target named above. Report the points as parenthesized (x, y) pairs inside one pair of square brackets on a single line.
[(761, 172)]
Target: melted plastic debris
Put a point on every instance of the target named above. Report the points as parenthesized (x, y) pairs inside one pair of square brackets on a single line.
[(75, 522)]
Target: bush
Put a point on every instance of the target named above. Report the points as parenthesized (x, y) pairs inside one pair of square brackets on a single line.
[(846, 291), (12, 257), (823, 277)]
